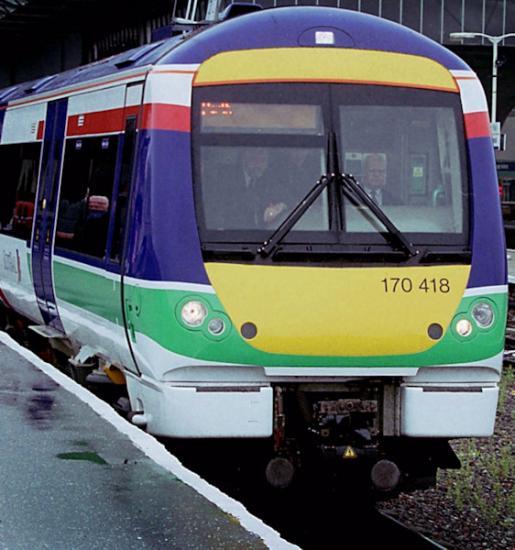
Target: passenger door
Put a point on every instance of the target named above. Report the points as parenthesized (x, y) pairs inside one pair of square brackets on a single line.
[(129, 311), (45, 214)]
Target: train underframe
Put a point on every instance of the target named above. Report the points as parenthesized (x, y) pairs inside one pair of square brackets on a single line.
[(351, 427)]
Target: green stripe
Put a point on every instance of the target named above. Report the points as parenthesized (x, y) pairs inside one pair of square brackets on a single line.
[(89, 291), (158, 320), (156, 314)]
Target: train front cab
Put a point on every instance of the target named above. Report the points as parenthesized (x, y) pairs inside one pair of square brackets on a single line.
[(367, 337)]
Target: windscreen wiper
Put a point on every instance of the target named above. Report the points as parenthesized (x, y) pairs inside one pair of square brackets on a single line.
[(350, 184), (328, 179), (278, 235)]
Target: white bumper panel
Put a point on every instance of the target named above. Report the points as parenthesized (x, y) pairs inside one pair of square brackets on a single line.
[(433, 411), (178, 411)]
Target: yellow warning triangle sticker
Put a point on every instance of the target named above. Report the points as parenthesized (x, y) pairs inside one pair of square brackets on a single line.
[(349, 452)]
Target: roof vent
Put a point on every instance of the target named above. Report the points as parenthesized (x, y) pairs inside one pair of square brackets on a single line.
[(39, 84), (4, 94), (137, 55)]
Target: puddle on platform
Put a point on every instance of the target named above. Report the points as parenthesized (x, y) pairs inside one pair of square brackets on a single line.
[(45, 385), (39, 409), (86, 455)]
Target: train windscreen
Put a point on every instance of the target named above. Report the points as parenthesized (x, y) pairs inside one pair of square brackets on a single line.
[(260, 149)]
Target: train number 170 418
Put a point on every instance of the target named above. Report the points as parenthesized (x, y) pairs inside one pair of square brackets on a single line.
[(406, 285)]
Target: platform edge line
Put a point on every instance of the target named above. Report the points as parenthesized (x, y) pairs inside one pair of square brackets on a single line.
[(156, 451)]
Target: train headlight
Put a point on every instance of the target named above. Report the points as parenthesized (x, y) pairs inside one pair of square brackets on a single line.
[(216, 326), (464, 327), (193, 313), (483, 314)]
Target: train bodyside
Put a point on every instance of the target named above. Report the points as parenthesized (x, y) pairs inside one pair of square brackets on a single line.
[(339, 336)]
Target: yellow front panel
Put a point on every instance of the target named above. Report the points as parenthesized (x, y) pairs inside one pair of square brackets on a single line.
[(324, 65), (339, 311)]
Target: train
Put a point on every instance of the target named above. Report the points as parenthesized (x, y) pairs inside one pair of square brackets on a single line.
[(282, 227)]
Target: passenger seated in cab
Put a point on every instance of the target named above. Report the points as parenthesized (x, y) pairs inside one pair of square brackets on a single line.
[(375, 178), (297, 172), (247, 185)]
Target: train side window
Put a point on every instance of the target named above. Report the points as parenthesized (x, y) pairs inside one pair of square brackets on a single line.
[(86, 195), (124, 187), (20, 167)]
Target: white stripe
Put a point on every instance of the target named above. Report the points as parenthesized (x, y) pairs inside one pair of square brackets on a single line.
[(170, 285), (170, 89), (495, 362), (98, 100), (463, 74), (156, 451), (141, 283), (134, 75), (339, 372), (177, 67), (89, 268), (134, 95), (473, 99), (103, 134), (21, 125), (484, 290)]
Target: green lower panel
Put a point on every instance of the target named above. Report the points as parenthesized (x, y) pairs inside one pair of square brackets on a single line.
[(156, 314), (89, 291), (159, 319)]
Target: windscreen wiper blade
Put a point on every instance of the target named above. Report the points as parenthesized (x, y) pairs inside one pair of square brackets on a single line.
[(359, 193), (278, 235)]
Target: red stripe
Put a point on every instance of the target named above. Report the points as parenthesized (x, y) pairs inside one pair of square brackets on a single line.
[(477, 125), (101, 122), (41, 129), (159, 116), (156, 116)]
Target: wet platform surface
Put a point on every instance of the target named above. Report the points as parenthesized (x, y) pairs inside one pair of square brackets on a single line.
[(69, 479)]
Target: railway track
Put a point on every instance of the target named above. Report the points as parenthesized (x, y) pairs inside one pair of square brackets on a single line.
[(412, 537), (319, 511)]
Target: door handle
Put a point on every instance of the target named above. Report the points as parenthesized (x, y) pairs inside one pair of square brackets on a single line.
[(129, 318), (132, 331)]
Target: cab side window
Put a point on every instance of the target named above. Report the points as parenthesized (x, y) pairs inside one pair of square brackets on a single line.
[(19, 165), (85, 202)]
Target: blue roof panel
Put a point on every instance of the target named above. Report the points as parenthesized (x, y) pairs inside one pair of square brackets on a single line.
[(145, 55), (272, 28), (284, 27)]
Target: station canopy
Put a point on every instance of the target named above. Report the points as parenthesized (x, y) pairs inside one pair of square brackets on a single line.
[(24, 21)]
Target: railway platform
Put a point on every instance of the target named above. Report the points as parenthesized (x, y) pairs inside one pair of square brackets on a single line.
[(511, 266), (73, 474)]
